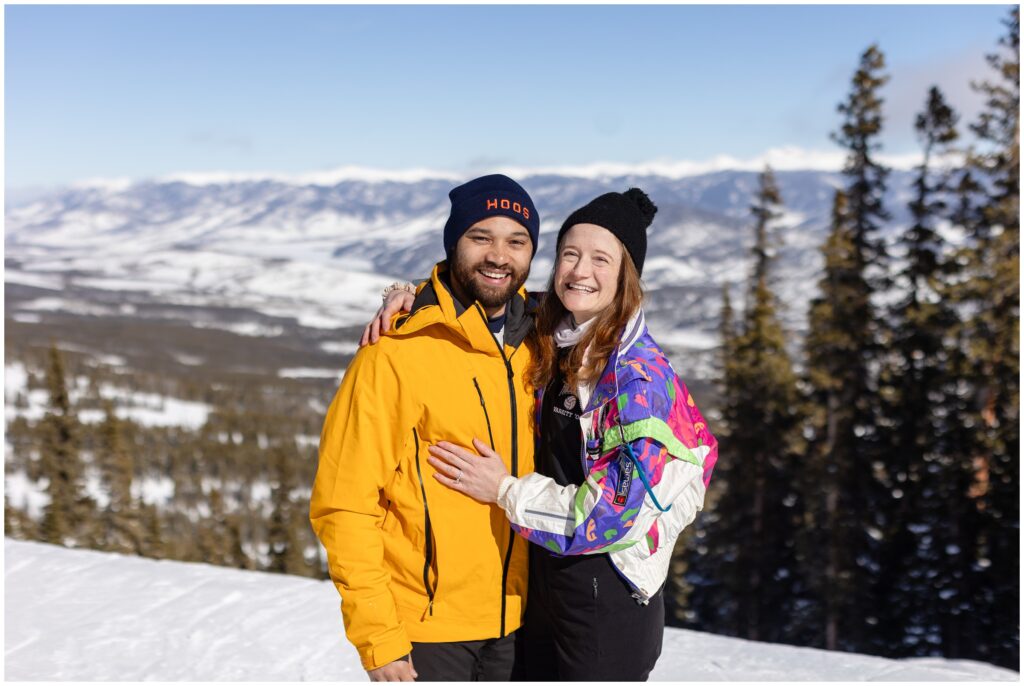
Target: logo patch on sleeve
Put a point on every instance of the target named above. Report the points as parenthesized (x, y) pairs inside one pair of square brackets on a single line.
[(625, 480)]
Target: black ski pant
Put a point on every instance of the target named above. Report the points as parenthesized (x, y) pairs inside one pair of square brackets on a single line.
[(582, 623), (487, 660)]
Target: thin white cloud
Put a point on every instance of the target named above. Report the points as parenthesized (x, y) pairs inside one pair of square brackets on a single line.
[(115, 184)]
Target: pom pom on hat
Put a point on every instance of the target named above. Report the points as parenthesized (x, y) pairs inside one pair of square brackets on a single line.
[(643, 203)]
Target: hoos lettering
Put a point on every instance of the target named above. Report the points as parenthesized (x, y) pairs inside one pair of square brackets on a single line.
[(506, 204)]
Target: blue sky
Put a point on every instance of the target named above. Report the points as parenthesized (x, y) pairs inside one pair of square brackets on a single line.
[(143, 91)]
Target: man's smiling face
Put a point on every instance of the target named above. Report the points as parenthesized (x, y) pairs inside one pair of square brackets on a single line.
[(491, 262)]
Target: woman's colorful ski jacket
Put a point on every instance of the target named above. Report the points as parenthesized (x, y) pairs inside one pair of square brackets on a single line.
[(648, 456)]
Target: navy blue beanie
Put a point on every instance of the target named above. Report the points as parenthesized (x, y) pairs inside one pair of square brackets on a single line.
[(489, 196)]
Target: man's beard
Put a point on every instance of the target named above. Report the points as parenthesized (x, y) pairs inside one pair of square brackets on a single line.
[(467, 278)]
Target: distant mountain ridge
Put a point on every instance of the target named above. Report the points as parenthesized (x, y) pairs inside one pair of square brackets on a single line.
[(302, 247)]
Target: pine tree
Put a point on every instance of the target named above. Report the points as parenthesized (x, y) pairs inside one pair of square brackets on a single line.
[(153, 537), (858, 134), (843, 350), (210, 541), (727, 333), (991, 293), (68, 510), (832, 466), (709, 560), (17, 524), (120, 527), (923, 558), (234, 543), (749, 576), (286, 554), (962, 632), (219, 539)]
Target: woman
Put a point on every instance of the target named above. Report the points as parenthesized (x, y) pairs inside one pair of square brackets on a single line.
[(623, 458)]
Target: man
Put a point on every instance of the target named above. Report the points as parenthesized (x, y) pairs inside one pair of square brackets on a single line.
[(433, 584)]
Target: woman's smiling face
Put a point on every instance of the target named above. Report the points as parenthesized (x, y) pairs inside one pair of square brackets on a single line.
[(587, 270)]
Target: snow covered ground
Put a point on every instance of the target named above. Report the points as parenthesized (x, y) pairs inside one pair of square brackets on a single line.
[(84, 615)]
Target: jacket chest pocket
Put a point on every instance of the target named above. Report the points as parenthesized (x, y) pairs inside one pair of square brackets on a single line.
[(472, 409), (487, 415)]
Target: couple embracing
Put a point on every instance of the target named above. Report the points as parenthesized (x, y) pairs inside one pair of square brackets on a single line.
[(495, 446)]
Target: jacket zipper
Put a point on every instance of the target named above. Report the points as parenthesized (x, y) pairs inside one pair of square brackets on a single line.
[(429, 554), (487, 417), (515, 462), (601, 413), (583, 452)]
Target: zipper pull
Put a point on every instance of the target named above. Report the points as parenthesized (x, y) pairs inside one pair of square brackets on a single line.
[(595, 588)]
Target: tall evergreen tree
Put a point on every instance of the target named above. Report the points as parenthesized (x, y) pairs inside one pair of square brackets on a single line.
[(219, 536), (923, 560), (866, 177), (17, 524), (836, 478), (843, 350), (153, 536), (120, 529), (964, 632), (286, 554), (753, 535), (700, 599), (992, 295), (727, 334), (66, 514), (234, 542)]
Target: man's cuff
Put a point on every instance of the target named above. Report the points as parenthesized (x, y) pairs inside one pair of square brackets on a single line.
[(385, 653)]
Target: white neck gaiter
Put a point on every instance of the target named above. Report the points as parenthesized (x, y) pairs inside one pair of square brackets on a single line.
[(567, 334)]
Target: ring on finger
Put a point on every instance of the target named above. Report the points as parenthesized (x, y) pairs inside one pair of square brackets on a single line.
[(458, 479)]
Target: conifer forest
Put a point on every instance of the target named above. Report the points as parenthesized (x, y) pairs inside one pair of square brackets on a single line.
[(866, 497)]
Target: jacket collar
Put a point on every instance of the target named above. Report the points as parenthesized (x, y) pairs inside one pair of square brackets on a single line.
[(436, 303), (621, 368)]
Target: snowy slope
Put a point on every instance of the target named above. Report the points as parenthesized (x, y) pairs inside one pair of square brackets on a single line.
[(83, 615)]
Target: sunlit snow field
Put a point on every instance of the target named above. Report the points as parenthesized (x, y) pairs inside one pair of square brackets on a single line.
[(84, 615)]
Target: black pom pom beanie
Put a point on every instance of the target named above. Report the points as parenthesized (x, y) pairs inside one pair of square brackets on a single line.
[(627, 215)]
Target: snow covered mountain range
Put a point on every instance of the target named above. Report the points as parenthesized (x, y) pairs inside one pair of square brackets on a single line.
[(87, 616), (320, 251)]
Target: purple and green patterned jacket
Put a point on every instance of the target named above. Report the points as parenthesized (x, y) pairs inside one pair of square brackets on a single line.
[(648, 456)]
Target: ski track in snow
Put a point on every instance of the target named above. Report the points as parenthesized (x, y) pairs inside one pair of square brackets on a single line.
[(85, 615)]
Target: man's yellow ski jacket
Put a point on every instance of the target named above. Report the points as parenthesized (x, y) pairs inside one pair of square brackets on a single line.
[(413, 560)]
